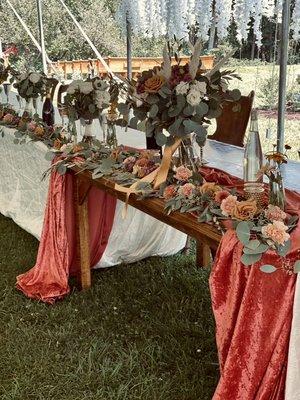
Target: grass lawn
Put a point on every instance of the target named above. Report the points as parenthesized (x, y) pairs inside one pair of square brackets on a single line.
[(143, 332), (253, 77)]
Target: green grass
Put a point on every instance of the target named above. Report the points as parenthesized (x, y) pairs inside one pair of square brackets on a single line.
[(143, 332), (253, 78)]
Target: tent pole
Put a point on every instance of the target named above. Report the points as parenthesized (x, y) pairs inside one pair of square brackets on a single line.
[(108, 69), (35, 42), (129, 55), (284, 45), (42, 40)]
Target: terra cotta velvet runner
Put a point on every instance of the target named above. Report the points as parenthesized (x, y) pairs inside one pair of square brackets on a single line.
[(48, 279), (253, 313)]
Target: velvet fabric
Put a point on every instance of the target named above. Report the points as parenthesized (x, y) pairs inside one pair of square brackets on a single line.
[(253, 313), (56, 260)]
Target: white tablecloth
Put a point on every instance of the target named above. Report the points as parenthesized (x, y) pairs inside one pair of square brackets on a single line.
[(23, 198)]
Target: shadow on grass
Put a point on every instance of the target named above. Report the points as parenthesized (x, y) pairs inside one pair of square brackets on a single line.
[(143, 332)]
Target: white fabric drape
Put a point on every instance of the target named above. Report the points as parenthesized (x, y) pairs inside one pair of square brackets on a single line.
[(23, 198)]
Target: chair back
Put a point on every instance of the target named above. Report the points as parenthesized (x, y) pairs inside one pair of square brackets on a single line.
[(232, 123)]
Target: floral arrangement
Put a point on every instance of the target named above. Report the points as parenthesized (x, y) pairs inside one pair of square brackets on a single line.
[(178, 99), (86, 99), (31, 85), (258, 229)]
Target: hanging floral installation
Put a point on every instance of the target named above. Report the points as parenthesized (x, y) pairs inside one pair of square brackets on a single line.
[(153, 18)]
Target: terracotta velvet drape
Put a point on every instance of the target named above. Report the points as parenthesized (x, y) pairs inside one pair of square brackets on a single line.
[(48, 279), (253, 314)]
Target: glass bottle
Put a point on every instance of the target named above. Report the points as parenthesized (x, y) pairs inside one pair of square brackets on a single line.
[(48, 111), (253, 162)]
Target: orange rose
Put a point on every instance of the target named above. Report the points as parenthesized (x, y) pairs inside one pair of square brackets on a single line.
[(153, 84), (57, 144), (210, 188), (39, 131), (245, 210)]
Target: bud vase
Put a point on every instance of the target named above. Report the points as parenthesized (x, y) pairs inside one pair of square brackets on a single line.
[(186, 154), (87, 126), (276, 187), (111, 135), (28, 110)]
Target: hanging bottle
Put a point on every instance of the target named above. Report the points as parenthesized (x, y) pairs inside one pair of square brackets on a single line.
[(48, 111), (253, 162)]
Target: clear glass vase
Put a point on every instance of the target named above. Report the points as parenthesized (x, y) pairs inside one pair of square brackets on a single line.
[(87, 129), (111, 135), (28, 110), (186, 154), (276, 186)]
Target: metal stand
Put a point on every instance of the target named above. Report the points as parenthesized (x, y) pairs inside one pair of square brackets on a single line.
[(284, 43), (42, 40)]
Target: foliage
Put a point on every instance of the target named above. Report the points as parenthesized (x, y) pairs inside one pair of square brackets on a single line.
[(179, 99)]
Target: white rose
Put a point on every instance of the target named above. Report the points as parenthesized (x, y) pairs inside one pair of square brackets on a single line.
[(193, 98), (86, 87), (182, 88), (34, 77), (73, 87), (199, 86), (102, 98)]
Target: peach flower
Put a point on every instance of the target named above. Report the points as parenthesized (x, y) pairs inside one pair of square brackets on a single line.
[(274, 213), (57, 144), (8, 118), (277, 231), (31, 126), (170, 192), (39, 131), (187, 189), (153, 84), (210, 188), (221, 195), (183, 173), (228, 204), (245, 210)]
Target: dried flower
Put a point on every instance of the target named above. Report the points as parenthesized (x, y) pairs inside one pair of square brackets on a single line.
[(39, 131), (274, 213), (183, 173), (228, 204), (169, 192), (245, 210), (221, 195), (128, 163), (210, 188), (277, 231), (8, 118)]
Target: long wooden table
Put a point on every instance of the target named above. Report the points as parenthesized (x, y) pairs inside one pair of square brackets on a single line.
[(207, 236)]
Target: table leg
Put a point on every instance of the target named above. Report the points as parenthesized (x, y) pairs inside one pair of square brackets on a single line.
[(82, 232), (203, 255)]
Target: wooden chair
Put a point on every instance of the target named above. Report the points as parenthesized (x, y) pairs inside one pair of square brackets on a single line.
[(231, 129), (232, 123)]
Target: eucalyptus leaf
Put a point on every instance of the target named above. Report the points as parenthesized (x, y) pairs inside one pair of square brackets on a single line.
[(297, 267), (243, 232), (61, 169), (161, 139), (249, 259), (262, 248), (49, 156), (268, 268), (173, 128), (284, 249), (153, 111), (253, 244)]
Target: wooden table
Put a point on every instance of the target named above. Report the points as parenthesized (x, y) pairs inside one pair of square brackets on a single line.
[(207, 236)]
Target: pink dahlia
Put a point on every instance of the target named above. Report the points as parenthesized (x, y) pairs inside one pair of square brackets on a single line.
[(128, 163), (187, 189), (228, 204), (170, 192), (274, 213), (183, 173), (277, 231), (31, 126)]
